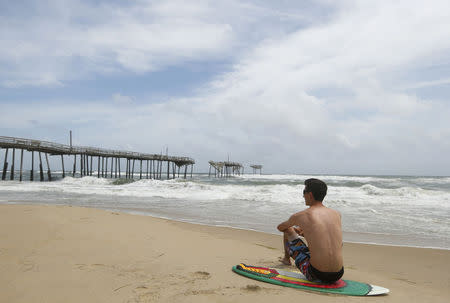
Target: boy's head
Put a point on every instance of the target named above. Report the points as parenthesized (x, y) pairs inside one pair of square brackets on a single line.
[(317, 187)]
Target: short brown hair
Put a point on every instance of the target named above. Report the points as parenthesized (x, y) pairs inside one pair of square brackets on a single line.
[(317, 187)]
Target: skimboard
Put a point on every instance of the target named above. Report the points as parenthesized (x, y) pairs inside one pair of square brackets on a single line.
[(298, 280)]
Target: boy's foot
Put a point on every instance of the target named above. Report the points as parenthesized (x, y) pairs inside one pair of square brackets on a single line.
[(285, 261)]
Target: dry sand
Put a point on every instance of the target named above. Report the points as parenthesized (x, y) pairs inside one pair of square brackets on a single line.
[(72, 254)]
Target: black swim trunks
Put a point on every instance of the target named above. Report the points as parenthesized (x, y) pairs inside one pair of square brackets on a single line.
[(326, 277)]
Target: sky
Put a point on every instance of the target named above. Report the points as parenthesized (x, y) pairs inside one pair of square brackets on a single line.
[(309, 87)]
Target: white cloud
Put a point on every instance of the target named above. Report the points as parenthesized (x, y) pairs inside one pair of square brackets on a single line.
[(278, 105), (51, 42), (66, 39), (428, 84), (121, 99)]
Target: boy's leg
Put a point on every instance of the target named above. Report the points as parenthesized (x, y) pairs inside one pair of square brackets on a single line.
[(289, 235)]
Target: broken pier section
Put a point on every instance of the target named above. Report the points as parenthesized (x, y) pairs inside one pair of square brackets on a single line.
[(225, 169)]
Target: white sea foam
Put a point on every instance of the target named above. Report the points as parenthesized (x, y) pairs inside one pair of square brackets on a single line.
[(290, 177), (401, 197), (277, 193)]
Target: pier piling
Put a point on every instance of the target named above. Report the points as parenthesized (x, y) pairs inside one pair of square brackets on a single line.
[(168, 170), (12, 163), (21, 164), (81, 165), (32, 166), (41, 168), (62, 165), (74, 165), (86, 165), (5, 164), (98, 167), (48, 168)]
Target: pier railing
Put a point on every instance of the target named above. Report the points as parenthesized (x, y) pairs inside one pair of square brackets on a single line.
[(61, 149)]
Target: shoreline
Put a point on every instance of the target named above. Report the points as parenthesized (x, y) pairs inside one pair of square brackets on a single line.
[(348, 237), (384, 210), (81, 254)]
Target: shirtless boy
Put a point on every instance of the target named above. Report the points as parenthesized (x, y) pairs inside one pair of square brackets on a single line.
[(321, 227)]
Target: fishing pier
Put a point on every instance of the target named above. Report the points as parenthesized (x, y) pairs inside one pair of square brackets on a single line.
[(225, 169), (256, 167), (151, 166)]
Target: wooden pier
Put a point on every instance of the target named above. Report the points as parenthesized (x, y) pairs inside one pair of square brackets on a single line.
[(225, 169), (256, 167), (87, 156)]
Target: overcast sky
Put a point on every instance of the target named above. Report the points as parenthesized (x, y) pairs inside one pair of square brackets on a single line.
[(336, 87)]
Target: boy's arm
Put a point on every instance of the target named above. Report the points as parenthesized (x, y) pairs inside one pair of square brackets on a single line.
[(293, 220), (299, 230)]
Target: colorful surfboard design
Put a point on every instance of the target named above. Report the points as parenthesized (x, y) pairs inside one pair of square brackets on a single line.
[(298, 280)]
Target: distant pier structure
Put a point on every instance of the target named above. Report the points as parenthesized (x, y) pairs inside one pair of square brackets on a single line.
[(256, 167), (91, 158), (225, 169)]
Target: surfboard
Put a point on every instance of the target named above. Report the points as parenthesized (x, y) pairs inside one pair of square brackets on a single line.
[(297, 280)]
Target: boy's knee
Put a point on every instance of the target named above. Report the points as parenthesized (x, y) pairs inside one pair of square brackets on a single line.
[(291, 234)]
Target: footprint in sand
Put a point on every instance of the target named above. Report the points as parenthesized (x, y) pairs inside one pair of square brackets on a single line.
[(89, 267), (200, 292), (143, 294), (405, 280), (28, 266), (202, 275), (252, 288)]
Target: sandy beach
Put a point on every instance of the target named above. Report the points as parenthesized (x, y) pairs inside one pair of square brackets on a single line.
[(74, 254)]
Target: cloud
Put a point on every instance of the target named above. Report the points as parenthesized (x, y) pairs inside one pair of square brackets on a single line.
[(65, 40), (318, 97), (47, 43), (122, 100), (428, 84)]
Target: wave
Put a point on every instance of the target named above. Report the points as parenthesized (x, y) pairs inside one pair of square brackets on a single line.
[(213, 190), (402, 191), (356, 181), (169, 189), (329, 178)]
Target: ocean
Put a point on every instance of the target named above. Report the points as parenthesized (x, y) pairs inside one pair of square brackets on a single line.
[(385, 210)]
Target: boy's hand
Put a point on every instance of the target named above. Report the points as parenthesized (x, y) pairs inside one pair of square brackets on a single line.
[(298, 230)]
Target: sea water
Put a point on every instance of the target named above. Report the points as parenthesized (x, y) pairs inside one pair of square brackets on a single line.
[(390, 210)]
